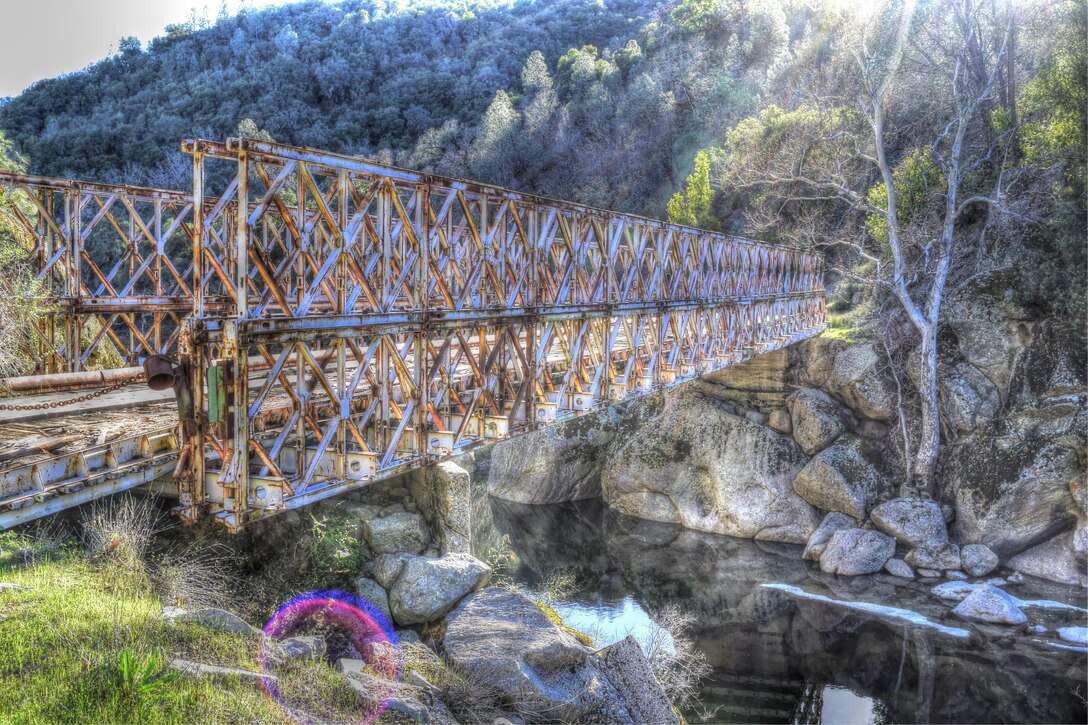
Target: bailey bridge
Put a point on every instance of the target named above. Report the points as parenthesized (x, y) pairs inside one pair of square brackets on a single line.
[(313, 322)]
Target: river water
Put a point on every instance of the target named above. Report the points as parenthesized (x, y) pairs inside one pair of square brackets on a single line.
[(787, 643)]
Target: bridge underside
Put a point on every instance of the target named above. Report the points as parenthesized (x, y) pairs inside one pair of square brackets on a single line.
[(350, 322)]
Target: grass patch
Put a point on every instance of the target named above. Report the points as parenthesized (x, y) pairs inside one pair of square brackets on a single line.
[(86, 644), (841, 327)]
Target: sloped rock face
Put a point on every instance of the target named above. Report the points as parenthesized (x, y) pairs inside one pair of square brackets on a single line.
[(504, 638), (560, 463), (992, 605), (817, 420), (1010, 494), (1055, 560), (842, 478), (991, 331), (684, 458)]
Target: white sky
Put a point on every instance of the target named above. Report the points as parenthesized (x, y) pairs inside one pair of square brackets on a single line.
[(46, 38)]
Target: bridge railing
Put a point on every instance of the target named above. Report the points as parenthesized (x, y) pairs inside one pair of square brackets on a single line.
[(113, 269), (380, 319)]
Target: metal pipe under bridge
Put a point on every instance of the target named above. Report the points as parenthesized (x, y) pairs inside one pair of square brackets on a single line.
[(331, 322)]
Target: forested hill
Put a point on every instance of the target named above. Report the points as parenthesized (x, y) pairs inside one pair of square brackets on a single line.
[(355, 76), (601, 101)]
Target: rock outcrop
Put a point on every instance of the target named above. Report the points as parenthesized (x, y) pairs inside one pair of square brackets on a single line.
[(685, 458), (823, 533), (560, 463)]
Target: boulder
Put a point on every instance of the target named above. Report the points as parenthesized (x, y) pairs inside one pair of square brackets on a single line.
[(817, 420), (560, 463), (503, 638), (899, 568), (375, 593), (954, 591), (310, 647), (842, 478), (1076, 635), (1080, 546), (936, 555), (640, 697), (400, 532), (912, 521), (780, 420), (217, 619), (199, 669), (427, 589), (856, 551), (1053, 365), (857, 378), (818, 541), (992, 605), (967, 398), (977, 559), (683, 458), (443, 494), (1010, 494), (1054, 559), (387, 568)]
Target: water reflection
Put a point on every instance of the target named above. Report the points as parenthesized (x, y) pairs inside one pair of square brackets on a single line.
[(793, 652)]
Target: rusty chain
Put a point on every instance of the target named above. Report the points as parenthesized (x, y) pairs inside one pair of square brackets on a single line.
[(79, 399)]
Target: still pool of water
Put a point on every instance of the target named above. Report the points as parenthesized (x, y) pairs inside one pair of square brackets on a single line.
[(789, 644)]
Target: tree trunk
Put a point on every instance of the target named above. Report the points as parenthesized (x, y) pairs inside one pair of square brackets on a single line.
[(929, 443)]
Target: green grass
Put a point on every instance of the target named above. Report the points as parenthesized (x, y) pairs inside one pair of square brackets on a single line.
[(70, 642), (841, 327)]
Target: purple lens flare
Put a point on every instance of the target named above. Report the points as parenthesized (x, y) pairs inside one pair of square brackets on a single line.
[(358, 630)]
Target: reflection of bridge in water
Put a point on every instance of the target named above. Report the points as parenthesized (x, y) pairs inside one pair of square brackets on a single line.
[(337, 322)]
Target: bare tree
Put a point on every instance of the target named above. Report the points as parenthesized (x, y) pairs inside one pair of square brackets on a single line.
[(831, 156)]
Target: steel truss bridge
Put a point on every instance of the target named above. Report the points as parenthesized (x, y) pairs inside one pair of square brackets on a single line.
[(337, 322)]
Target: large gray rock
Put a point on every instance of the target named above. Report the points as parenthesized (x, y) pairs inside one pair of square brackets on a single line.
[(504, 638), (427, 589), (374, 593), (400, 532), (842, 478), (443, 494), (899, 568), (199, 669), (912, 521), (683, 458), (640, 697), (1010, 494), (936, 555), (856, 551), (967, 398), (1054, 559), (817, 420), (818, 541), (991, 331), (387, 568), (978, 560), (557, 464), (990, 604), (857, 378), (217, 619)]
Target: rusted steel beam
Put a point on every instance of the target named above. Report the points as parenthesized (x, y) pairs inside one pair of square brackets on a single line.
[(405, 318)]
